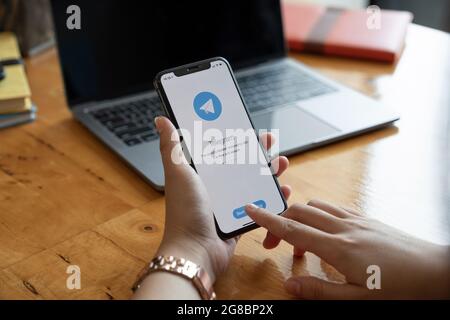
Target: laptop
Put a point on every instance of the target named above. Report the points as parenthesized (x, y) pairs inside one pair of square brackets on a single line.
[(108, 66)]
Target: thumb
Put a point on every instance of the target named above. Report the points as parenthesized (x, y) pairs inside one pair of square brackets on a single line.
[(317, 289), (169, 144)]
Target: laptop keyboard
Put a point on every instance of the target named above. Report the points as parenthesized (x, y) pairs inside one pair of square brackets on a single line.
[(132, 122), (279, 86)]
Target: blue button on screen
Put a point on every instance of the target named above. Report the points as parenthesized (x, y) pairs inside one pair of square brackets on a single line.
[(240, 213), (260, 203)]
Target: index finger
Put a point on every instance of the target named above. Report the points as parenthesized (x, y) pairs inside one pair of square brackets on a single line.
[(299, 235)]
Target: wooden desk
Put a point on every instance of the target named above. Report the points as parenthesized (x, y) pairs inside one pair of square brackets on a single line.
[(67, 199)]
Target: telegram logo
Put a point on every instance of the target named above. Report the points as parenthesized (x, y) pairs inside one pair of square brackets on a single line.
[(207, 106)]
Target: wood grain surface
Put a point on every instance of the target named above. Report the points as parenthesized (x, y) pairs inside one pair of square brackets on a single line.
[(67, 199)]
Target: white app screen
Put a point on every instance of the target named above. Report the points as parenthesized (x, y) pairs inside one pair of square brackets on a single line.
[(222, 143)]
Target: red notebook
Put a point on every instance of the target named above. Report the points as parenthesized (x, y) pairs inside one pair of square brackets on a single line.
[(342, 32)]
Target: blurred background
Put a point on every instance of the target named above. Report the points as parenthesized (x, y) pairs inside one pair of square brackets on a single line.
[(430, 13), (31, 20)]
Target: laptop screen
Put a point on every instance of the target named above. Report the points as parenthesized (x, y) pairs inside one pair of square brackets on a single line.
[(122, 45)]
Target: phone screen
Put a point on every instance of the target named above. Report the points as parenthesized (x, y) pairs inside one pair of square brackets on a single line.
[(222, 144)]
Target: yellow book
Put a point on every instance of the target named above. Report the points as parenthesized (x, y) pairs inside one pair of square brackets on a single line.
[(14, 89)]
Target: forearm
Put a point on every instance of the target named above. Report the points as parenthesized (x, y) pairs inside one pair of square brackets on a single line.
[(441, 283), (166, 286)]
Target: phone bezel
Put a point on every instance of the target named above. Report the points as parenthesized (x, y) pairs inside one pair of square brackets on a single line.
[(196, 67)]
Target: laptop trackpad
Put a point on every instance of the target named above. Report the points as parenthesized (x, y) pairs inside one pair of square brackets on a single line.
[(297, 127)]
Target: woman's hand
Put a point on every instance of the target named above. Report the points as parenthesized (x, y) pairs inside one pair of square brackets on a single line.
[(189, 228), (410, 268)]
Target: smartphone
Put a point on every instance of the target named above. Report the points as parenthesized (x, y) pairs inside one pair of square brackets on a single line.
[(204, 102)]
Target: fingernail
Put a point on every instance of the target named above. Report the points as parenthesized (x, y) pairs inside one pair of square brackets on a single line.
[(292, 286), (251, 207), (158, 123)]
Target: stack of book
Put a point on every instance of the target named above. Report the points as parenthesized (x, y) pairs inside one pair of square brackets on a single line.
[(363, 34), (15, 95)]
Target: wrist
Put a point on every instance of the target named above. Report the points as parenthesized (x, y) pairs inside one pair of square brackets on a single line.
[(189, 250)]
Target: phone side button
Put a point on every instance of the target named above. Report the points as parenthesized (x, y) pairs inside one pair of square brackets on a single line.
[(240, 213)]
